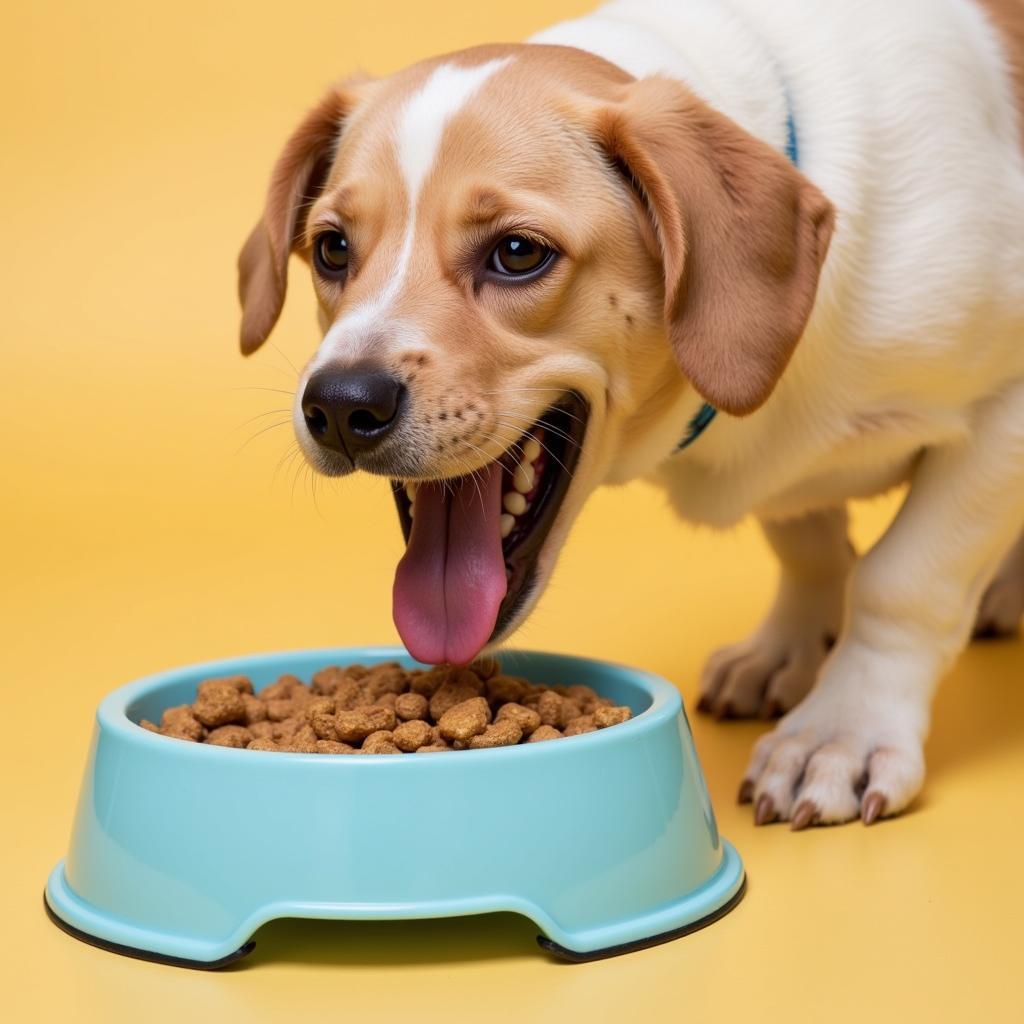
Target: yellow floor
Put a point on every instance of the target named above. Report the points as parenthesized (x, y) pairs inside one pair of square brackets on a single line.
[(138, 536)]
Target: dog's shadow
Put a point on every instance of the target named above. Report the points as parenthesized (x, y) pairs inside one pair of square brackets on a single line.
[(979, 708), (479, 937)]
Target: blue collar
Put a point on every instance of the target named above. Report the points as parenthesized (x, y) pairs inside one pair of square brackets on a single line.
[(706, 413)]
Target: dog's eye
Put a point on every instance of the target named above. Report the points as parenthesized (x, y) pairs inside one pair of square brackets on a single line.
[(518, 256), (331, 253)]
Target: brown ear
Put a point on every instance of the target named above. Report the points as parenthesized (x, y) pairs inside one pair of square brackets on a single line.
[(298, 177), (742, 235)]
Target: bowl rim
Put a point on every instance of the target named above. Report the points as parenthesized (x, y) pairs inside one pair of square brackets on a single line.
[(112, 713)]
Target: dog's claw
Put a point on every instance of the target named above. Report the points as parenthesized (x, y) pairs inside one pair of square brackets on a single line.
[(764, 813), (872, 808), (805, 814), (746, 793)]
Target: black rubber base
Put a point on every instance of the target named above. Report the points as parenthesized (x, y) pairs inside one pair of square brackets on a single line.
[(569, 955), (145, 954), (575, 957)]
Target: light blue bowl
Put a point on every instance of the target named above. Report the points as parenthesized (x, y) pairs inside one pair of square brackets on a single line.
[(180, 851)]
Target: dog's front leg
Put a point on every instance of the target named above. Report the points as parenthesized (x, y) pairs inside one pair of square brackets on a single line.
[(855, 744), (774, 668)]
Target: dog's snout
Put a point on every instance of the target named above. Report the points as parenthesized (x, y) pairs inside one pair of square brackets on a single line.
[(352, 411)]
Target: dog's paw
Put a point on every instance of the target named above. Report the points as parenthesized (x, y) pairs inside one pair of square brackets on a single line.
[(831, 761), (775, 668)]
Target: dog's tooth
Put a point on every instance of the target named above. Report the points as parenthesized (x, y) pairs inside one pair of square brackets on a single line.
[(410, 491), (507, 522), (524, 478), (514, 502), (531, 449)]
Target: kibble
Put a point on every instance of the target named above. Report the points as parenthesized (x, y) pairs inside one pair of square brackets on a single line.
[(385, 709)]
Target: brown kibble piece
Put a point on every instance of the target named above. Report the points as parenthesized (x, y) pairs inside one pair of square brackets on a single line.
[(411, 706), (236, 736), (333, 747), (549, 707), (301, 747), (380, 743), (305, 734), (604, 717), (465, 720), (411, 736), (388, 677), (433, 748), (570, 711), (544, 732), (320, 715), (505, 690), (149, 726), (260, 744), (284, 689), (280, 709), (180, 723), (355, 726), (327, 680), (501, 734), (429, 682), (241, 684), (580, 725), (462, 687), (349, 695), (526, 718), (386, 700), (255, 709), (219, 704), (262, 730), (583, 695)]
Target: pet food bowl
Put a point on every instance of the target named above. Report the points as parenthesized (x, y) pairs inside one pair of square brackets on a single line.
[(180, 851)]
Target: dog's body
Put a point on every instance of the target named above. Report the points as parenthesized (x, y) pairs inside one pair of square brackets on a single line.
[(909, 117)]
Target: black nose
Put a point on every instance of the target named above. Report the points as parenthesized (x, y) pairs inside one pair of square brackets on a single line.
[(352, 412)]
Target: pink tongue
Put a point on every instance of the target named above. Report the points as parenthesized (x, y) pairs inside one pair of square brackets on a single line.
[(450, 582)]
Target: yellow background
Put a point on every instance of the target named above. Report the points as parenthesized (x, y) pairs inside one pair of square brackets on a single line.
[(138, 138)]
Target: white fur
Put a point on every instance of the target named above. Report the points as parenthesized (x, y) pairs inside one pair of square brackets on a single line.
[(418, 135), (911, 369)]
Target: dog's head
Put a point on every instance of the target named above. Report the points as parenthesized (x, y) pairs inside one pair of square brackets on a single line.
[(523, 260)]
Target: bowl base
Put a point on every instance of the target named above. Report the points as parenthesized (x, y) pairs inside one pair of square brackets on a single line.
[(145, 954), (574, 956)]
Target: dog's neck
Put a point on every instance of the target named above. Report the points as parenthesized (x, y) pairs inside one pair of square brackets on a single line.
[(643, 38)]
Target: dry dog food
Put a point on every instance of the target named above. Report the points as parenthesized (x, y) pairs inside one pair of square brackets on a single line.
[(387, 709)]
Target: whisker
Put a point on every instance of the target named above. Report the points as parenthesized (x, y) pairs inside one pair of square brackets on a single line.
[(276, 391), (249, 441), (260, 415)]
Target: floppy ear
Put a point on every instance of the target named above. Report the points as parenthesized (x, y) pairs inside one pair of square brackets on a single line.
[(742, 235), (298, 177)]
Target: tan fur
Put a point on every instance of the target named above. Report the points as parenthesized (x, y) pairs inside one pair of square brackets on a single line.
[(297, 177), (723, 259), (742, 232), (1008, 18)]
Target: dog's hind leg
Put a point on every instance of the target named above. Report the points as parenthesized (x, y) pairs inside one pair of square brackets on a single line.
[(774, 668), (1002, 605)]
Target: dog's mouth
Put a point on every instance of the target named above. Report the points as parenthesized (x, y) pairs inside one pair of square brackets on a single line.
[(473, 542)]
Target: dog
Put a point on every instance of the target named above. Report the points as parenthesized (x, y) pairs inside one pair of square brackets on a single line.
[(770, 256)]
